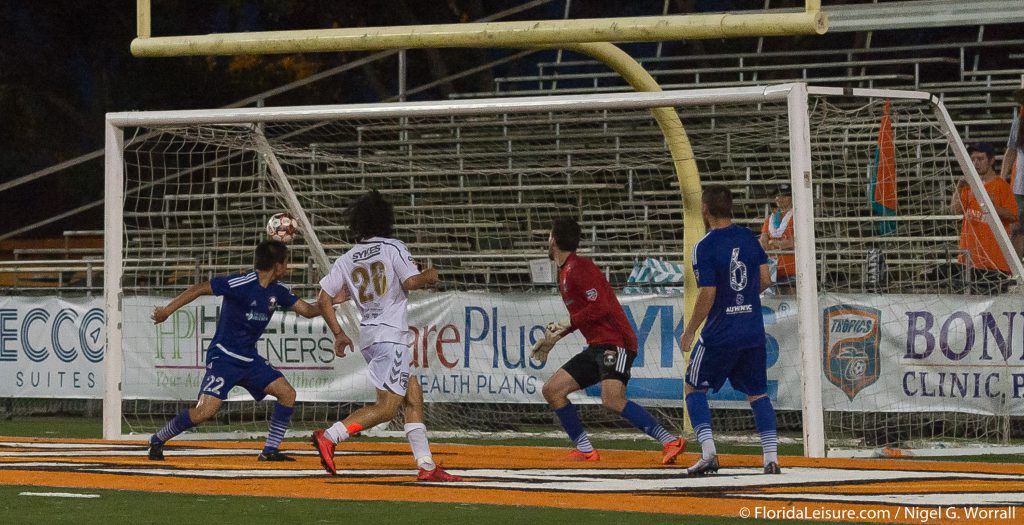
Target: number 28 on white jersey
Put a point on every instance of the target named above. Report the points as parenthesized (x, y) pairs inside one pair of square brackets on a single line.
[(373, 272)]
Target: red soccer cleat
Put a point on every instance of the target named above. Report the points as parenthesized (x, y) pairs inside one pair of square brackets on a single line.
[(672, 449), (577, 455), (438, 474), (325, 448)]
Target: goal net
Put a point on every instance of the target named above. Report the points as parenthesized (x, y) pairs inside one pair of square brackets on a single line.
[(909, 341)]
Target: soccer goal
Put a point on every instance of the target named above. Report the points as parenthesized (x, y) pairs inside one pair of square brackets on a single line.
[(893, 345)]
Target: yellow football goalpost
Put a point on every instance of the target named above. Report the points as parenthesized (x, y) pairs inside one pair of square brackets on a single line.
[(593, 37)]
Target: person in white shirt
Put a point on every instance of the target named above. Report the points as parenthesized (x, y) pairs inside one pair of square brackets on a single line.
[(378, 273), (1013, 160), (777, 237)]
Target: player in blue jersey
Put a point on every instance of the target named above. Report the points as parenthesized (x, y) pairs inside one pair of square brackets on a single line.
[(732, 271), (250, 299)]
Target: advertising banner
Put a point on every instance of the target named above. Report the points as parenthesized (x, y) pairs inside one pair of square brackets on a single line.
[(51, 347), (887, 353), (466, 347)]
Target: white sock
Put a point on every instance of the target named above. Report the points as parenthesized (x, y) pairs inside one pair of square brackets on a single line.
[(337, 433), (416, 433), (707, 449)]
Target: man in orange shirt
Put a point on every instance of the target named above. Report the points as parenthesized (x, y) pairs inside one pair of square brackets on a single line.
[(777, 235), (987, 268)]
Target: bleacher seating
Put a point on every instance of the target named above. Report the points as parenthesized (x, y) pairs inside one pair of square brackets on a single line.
[(645, 217)]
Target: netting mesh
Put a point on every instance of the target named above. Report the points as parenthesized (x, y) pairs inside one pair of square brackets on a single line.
[(474, 196)]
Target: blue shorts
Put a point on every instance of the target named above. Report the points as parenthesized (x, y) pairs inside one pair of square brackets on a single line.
[(224, 373), (745, 368)]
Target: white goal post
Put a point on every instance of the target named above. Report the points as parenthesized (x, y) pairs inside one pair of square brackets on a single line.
[(475, 184)]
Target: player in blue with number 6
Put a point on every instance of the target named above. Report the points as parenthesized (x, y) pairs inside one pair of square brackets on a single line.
[(250, 299), (732, 271)]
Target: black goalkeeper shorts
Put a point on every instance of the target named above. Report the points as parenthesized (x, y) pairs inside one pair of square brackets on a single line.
[(600, 362)]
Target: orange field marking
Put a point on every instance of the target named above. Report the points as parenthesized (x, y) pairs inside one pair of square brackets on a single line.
[(897, 490)]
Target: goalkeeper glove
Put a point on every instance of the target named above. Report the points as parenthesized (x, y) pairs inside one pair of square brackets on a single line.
[(553, 333)]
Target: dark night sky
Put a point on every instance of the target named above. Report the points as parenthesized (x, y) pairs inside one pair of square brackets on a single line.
[(65, 63)]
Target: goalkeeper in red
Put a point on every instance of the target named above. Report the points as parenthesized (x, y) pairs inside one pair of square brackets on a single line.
[(611, 348)]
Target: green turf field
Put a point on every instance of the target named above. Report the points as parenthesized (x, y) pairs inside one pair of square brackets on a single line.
[(143, 507), (114, 506)]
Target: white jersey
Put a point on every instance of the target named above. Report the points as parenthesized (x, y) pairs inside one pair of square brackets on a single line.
[(373, 272)]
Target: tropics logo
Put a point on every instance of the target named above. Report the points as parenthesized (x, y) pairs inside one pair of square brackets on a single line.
[(851, 343)]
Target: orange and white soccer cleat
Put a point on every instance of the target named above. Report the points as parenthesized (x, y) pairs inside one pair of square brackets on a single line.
[(438, 474), (325, 448), (578, 455), (672, 449)]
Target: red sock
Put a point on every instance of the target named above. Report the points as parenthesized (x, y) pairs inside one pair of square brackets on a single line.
[(354, 428)]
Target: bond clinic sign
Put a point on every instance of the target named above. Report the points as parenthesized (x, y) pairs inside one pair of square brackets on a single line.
[(905, 353)]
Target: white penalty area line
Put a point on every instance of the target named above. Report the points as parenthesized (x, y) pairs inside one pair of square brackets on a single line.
[(58, 494)]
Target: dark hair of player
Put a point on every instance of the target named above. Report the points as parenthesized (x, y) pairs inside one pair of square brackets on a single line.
[(718, 199), (566, 233), (268, 253), (371, 216)]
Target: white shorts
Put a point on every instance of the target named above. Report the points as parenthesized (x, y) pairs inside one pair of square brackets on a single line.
[(387, 365)]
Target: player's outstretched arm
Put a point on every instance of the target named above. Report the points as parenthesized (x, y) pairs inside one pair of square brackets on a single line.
[(161, 313), (306, 310), (705, 299), (325, 302), (425, 279)]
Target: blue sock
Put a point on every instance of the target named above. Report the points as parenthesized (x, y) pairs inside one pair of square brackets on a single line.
[(570, 420), (279, 422), (643, 420), (700, 417), (179, 424), (764, 420)]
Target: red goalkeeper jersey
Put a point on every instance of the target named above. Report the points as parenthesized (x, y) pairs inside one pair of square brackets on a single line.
[(593, 308)]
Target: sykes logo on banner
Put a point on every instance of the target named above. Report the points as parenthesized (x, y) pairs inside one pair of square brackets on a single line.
[(851, 341)]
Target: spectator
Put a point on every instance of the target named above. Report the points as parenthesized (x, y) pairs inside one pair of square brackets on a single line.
[(1013, 159), (984, 263), (777, 235)]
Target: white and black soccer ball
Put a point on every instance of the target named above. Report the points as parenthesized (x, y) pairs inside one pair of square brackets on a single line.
[(282, 227)]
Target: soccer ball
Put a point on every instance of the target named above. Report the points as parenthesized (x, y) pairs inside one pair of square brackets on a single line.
[(282, 227)]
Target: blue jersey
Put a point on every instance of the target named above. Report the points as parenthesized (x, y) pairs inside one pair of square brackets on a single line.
[(244, 313), (730, 259)]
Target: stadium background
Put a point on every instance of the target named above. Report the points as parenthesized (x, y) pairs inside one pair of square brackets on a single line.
[(54, 112)]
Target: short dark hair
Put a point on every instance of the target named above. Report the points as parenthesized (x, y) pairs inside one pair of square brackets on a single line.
[(371, 216), (982, 147), (268, 253), (566, 233), (718, 199)]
